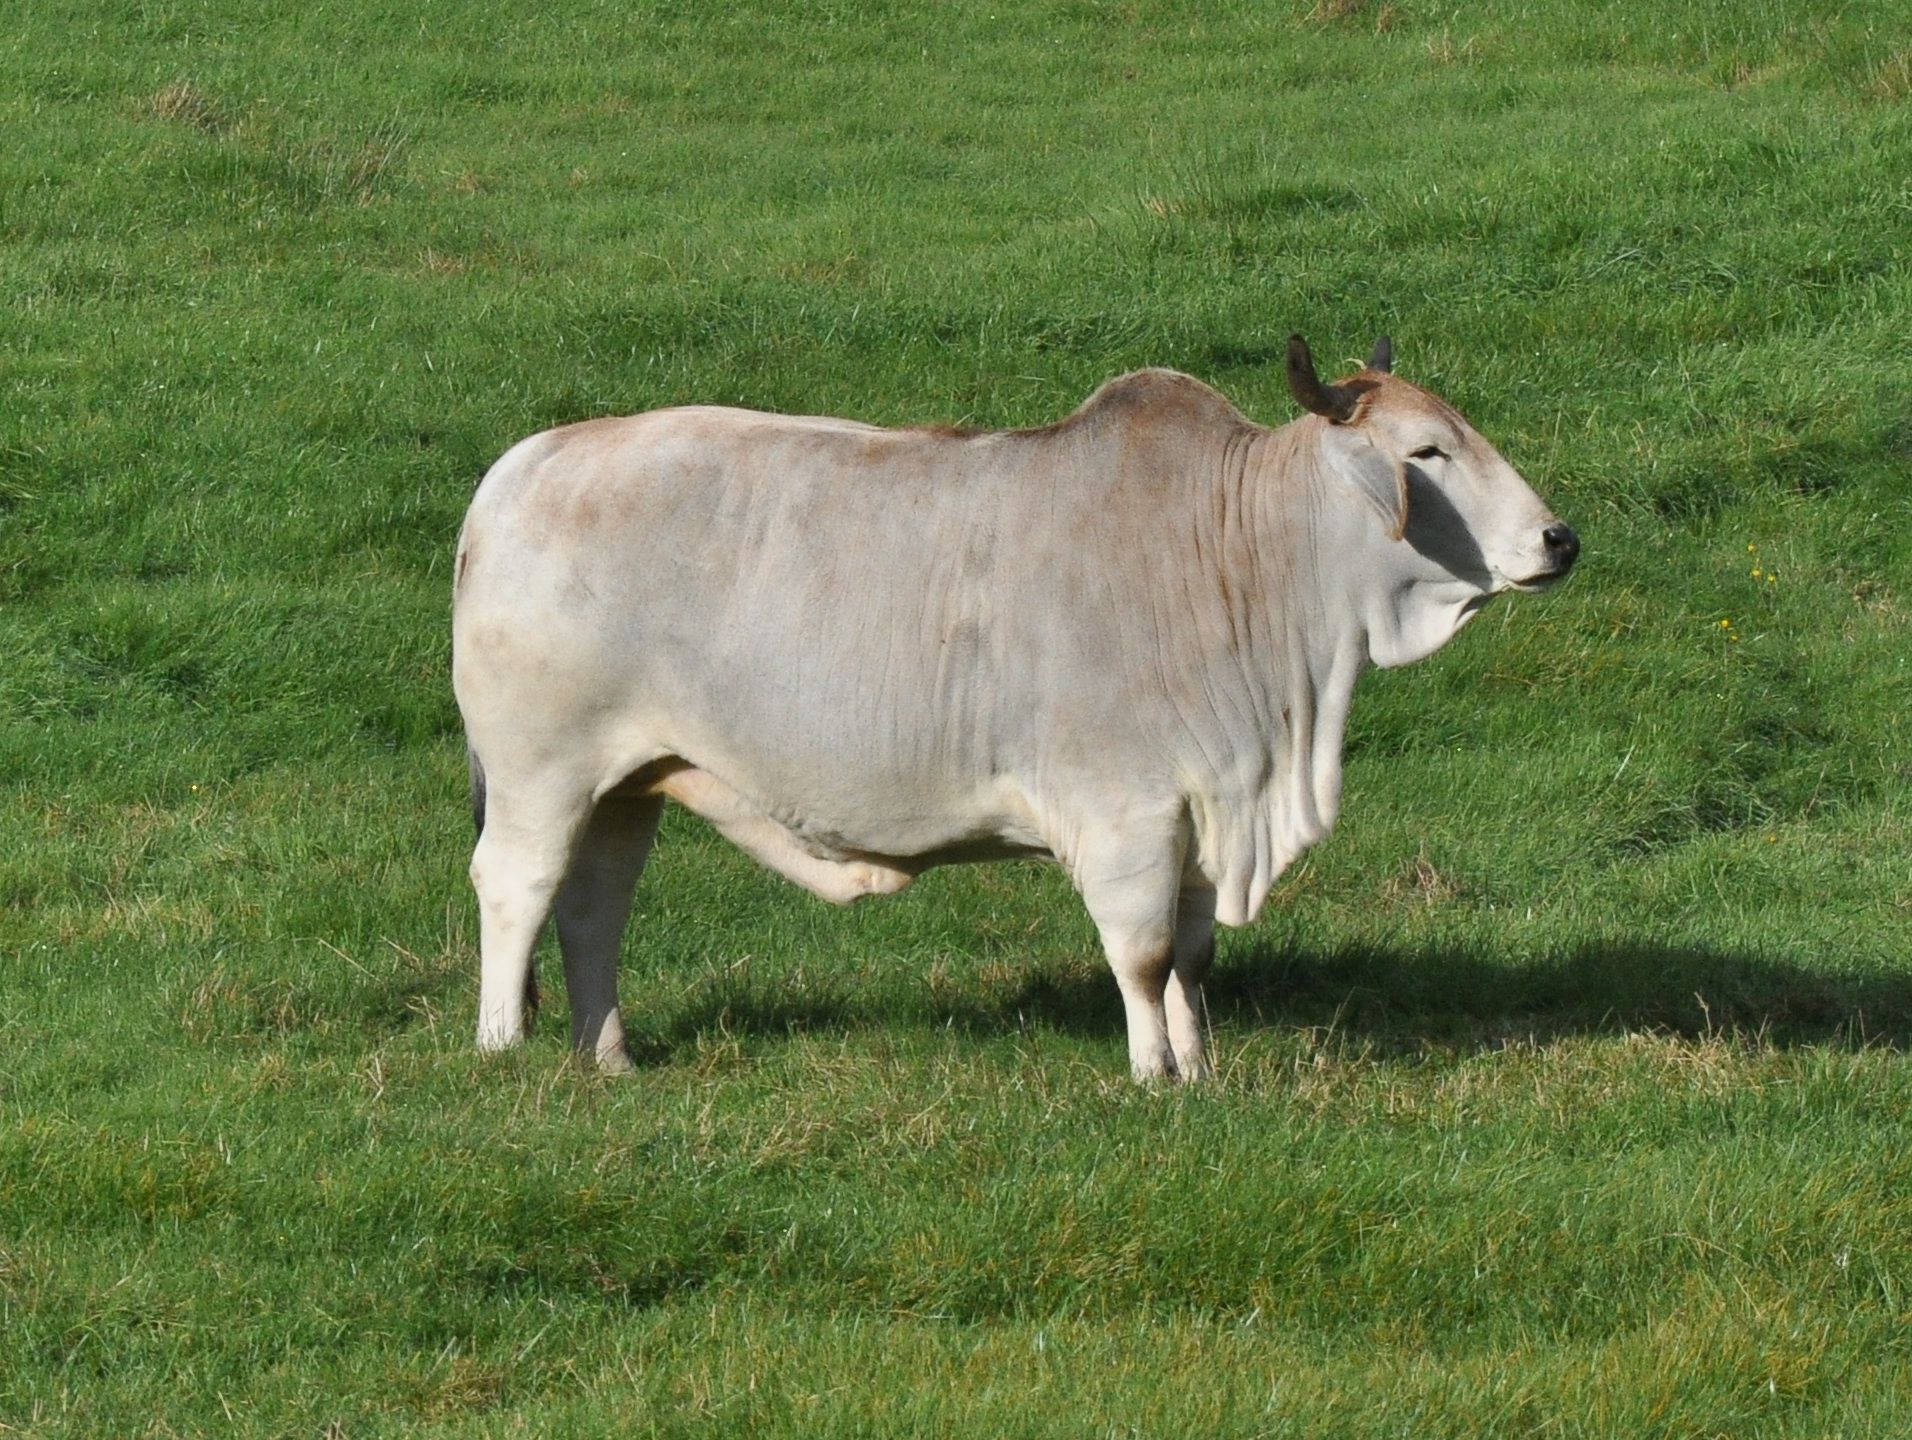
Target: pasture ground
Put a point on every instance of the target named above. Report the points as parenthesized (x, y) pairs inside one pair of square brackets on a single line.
[(1564, 1089)]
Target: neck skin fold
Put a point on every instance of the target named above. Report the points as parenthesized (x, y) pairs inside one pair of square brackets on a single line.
[(1332, 593)]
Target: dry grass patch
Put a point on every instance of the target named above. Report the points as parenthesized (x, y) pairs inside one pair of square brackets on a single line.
[(1746, 74), (822, 272), (1443, 49), (1326, 11), (1893, 80), (1419, 882), (369, 164), (224, 1006), (182, 103), (152, 919), (455, 1384)]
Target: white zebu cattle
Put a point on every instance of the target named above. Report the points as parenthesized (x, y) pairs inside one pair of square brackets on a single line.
[(1127, 640)]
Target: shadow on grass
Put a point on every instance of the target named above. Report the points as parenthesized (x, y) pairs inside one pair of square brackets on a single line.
[(1455, 998), (1393, 1000)]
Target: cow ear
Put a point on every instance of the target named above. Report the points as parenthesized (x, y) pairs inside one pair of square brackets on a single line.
[(1355, 459)]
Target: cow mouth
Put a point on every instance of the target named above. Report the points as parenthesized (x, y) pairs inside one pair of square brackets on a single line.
[(1545, 580)]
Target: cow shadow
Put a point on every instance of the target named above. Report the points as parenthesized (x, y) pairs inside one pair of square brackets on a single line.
[(1415, 998), (1385, 999)]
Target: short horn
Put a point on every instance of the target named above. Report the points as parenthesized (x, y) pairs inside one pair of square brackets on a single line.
[(1329, 400), (1382, 360)]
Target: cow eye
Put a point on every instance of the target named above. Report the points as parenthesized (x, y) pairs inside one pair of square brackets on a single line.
[(1429, 452)]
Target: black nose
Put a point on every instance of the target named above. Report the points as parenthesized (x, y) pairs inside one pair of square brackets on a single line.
[(1562, 544)]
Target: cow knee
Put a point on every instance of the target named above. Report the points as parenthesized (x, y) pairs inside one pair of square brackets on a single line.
[(503, 879), (1143, 966), (843, 882), (875, 879)]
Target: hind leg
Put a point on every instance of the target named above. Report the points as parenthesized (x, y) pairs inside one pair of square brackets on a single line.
[(770, 844), (592, 907), (530, 832)]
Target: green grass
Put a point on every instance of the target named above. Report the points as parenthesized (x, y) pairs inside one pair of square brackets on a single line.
[(1564, 1090)]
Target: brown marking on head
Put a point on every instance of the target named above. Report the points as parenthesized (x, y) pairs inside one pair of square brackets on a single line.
[(1359, 389), (1400, 395)]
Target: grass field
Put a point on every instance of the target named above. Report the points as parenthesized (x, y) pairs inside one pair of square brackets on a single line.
[(1564, 1090)]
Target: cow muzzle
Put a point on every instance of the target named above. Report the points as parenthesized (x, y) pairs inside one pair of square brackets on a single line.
[(1560, 547)]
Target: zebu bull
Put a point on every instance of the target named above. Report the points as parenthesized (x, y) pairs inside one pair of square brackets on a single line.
[(1127, 640)]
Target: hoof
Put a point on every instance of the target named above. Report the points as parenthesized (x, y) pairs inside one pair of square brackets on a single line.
[(1195, 1072), (494, 1038), (615, 1061), (1154, 1069)]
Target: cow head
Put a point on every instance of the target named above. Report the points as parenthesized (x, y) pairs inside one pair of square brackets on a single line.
[(1437, 485)]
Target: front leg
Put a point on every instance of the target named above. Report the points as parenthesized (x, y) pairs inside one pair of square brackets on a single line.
[(1187, 1009), (1129, 878)]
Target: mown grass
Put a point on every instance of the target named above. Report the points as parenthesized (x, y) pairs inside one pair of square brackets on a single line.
[(1563, 1090)]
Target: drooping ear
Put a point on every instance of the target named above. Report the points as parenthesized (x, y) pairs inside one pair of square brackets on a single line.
[(1329, 400), (1382, 360), (1352, 457)]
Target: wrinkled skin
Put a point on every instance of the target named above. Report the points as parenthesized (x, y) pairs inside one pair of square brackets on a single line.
[(1127, 641)]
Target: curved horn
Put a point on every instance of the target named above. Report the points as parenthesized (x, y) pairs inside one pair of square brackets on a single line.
[(1382, 359), (1306, 386)]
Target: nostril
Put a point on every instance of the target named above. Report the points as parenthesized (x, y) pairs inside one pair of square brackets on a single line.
[(1561, 542)]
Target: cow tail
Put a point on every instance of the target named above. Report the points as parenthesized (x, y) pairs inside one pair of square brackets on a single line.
[(477, 790)]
